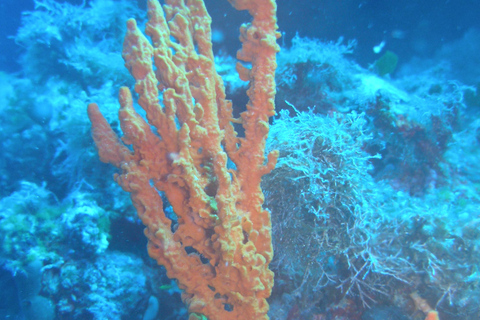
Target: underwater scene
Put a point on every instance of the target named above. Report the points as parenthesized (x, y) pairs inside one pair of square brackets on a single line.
[(240, 160)]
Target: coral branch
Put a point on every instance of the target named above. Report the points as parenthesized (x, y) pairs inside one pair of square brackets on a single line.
[(220, 245)]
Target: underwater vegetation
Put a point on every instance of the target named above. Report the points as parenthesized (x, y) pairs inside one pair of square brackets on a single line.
[(374, 200), (366, 200)]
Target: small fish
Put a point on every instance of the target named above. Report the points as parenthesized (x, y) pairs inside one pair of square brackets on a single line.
[(166, 287)]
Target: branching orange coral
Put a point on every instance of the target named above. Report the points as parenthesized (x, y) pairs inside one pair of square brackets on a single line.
[(220, 246)]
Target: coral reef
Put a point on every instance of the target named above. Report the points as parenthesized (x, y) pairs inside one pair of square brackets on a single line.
[(374, 200), (378, 203)]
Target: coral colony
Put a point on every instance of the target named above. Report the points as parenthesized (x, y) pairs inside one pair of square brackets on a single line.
[(219, 209)]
